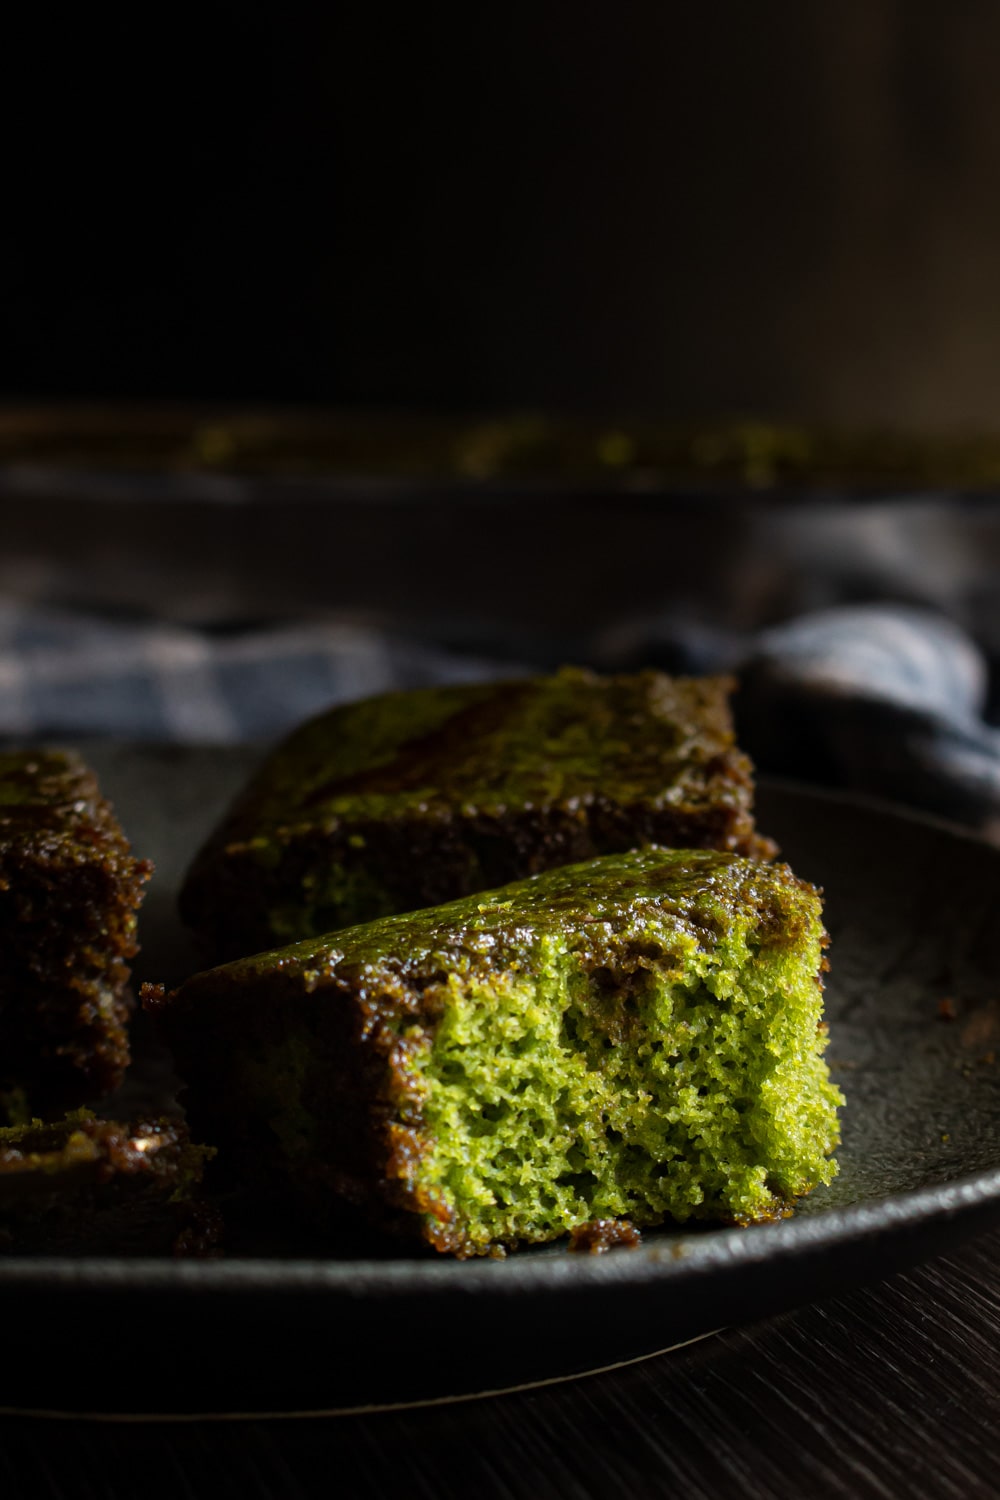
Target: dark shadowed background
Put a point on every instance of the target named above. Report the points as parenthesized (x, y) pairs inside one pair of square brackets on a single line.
[(773, 209)]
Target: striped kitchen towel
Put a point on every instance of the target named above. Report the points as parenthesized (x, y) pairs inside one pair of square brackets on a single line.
[(883, 699)]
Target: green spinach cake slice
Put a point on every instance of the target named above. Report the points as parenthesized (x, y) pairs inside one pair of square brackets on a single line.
[(70, 890), (636, 1037), (415, 798)]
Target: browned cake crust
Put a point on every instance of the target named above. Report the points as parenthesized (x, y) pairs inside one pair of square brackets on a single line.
[(414, 799), (636, 1037), (69, 892)]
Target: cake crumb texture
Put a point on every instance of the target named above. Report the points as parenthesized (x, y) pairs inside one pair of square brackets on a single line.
[(639, 1037)]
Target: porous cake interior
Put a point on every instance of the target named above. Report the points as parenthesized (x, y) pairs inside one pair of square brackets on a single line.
[(563, 1096), (648, 1070), (639, 1036)]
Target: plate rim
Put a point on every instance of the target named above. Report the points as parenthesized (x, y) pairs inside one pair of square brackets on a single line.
[(673, 1255), (661, 1261)]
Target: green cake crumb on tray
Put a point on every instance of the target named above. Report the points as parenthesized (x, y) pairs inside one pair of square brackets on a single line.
[(416, 798), (635, 1037)]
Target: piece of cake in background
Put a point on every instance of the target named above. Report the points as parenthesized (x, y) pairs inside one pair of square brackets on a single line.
[(639, 1037), (70, 889), (411, 799), (85, 1186)]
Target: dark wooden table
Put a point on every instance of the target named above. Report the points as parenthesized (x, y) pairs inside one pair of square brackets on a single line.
[(891, 1391)]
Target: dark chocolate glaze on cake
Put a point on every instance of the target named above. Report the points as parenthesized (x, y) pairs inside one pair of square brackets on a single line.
[(413, 799)]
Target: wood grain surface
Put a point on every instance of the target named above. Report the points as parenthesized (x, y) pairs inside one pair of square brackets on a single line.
[(891, 1391)]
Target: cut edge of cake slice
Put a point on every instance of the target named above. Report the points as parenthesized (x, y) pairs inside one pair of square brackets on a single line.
[(638, 1038)]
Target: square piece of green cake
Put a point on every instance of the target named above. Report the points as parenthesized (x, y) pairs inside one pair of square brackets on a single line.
[(635, 1037), (411, 799), (70, 890)]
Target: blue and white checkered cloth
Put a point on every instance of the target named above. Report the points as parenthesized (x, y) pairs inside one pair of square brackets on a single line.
[(882, 699), (65, 674)]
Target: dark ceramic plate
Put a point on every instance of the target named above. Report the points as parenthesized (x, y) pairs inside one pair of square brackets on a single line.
[(914, 1007)]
